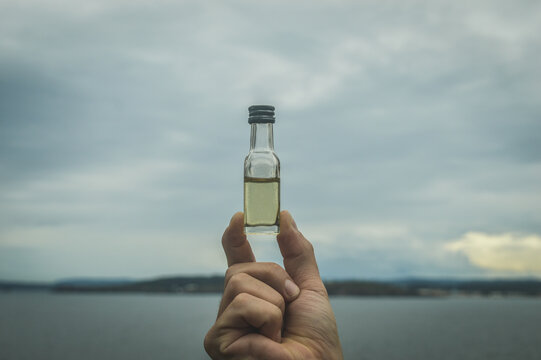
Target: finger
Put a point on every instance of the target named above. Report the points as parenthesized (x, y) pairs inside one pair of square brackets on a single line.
[(299, 259), (247, 312), (244, 283), (249, 346), (271, 274), (257, 346), (236, 246), (245, 316)]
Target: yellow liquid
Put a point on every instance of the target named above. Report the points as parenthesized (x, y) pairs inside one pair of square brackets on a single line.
[(261, 201)]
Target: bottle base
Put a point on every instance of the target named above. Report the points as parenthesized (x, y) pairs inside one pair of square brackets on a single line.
[(262, 230)]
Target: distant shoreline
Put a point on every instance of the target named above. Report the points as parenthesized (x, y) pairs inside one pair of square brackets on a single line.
[(214, 285)]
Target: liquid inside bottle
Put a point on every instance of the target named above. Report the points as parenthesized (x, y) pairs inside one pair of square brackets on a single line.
[(261, 175), (262, 203)]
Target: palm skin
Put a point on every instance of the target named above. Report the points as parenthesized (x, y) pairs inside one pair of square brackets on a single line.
[(310, 328)]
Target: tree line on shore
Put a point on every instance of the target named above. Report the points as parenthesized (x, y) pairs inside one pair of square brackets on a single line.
[(214, 285)]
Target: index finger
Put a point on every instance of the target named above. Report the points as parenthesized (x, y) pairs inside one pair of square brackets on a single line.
[(236, 246)]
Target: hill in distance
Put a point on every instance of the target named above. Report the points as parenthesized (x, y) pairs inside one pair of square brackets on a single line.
[(214, 285)]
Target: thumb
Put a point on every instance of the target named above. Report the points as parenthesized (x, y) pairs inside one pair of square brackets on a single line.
[(299, 259)]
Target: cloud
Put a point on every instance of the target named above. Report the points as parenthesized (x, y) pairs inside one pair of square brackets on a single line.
[(516, 253), (400, 125), (391, 250)]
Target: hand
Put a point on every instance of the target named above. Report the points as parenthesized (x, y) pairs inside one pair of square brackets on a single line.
[(268, 313)]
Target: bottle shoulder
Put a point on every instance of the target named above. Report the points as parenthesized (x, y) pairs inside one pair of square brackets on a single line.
[(262, 164), (269, 155)]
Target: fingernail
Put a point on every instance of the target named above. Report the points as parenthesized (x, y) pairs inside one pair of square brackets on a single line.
[(294, 224), (292, 289)]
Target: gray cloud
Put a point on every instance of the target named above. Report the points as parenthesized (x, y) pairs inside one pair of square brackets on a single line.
[(125, 120)]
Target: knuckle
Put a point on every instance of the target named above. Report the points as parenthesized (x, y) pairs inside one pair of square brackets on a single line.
[(209, 342), (281, 303), (236, 281), (222, 348), (274, 268), (274, 313), (308, 247), (206, 342), (224, 238), (228, 273), (232, 270), (227, 276), (241, 299)]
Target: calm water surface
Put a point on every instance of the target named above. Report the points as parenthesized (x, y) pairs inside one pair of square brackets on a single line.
[(159, 327)]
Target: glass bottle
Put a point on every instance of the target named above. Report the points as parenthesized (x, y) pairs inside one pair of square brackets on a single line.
[(261, 175)]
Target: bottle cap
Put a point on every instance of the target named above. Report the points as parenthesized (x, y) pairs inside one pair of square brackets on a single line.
[(261, 114)]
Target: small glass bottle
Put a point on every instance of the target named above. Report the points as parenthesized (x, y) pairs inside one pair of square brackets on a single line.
[(261, 175)]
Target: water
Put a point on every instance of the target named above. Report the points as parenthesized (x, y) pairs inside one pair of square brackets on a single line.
[(61, 326)]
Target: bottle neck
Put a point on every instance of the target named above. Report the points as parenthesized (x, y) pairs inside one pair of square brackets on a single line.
[(261, 138)]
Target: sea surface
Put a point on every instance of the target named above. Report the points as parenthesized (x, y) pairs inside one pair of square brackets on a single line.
[(127, 327)]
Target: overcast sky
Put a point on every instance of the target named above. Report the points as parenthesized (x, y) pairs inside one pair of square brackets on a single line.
[(409, 134)]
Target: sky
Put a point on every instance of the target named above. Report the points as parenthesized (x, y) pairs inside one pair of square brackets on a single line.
[(409, 134)]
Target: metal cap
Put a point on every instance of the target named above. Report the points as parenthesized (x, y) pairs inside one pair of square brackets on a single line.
[(261, 114)]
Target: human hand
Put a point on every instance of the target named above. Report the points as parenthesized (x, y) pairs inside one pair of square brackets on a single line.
[(263, 315)]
